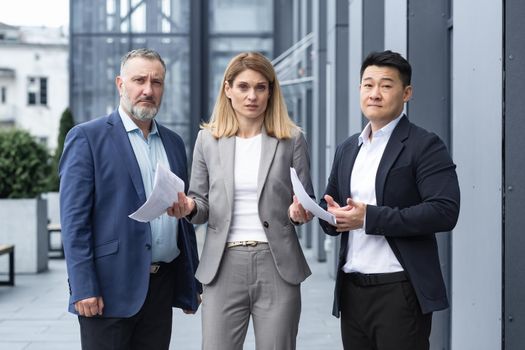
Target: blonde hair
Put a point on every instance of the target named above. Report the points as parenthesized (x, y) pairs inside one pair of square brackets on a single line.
[(277, 122)]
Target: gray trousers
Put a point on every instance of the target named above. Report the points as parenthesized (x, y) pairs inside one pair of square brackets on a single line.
[(248, 284)]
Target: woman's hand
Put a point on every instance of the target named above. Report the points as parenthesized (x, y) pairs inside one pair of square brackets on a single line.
[(297, 213), (183, 208)]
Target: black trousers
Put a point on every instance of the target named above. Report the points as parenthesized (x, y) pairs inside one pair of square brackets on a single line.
[(382, 316), (149, 329)]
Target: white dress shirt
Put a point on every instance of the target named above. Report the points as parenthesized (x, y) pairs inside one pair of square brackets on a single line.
[(369, 253)]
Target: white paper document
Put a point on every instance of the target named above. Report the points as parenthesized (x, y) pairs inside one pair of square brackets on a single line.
[(307, 202), (166, 187)]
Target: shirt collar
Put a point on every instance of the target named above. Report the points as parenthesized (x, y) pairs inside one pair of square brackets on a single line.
[(385, 131), (130, 126)]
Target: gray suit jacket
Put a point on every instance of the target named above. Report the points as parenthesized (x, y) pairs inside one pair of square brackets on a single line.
[(212, 188)]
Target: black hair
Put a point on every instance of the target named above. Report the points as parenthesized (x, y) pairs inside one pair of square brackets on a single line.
[(389, 59)]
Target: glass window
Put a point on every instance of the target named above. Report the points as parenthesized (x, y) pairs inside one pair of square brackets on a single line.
[(36, 91), (130, 16), (43, 91), (241, 16)]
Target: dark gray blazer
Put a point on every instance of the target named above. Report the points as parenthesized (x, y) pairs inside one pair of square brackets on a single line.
[(212, 188), (417, 195)]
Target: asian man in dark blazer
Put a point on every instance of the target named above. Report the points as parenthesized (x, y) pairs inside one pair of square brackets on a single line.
[(391, 188)]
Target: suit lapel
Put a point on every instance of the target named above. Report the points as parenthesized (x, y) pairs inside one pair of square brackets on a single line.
[(393, 149), (345, 171), (227, 158), (125, 151), (268, 148), (173, 154)]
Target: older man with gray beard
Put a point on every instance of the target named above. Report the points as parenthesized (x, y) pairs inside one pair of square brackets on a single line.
[(125, 276)]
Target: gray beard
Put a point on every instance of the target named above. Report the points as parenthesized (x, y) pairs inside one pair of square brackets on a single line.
[(140, 113), (144, 113)]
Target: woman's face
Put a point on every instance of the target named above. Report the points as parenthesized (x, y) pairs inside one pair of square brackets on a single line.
[(249, 94)]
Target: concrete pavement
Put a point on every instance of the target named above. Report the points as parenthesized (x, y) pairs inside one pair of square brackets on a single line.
[(33, 314)]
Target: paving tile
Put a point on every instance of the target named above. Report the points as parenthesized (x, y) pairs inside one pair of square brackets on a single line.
[(33, 314), (13, 346)]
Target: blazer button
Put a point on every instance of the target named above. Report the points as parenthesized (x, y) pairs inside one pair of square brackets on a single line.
[(148, 246), (266, 224)]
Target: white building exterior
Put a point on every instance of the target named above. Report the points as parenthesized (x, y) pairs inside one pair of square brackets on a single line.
[(34, 80)]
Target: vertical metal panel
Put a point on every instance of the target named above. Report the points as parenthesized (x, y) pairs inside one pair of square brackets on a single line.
[(282, 26), (356, 53), (373, 32), (308, 112), (354, 46), (477, 150), (514, 188), (396, 26), (373, 26), (338, 52), (337, 113), (428, 53), (319, 107), (198, 67)]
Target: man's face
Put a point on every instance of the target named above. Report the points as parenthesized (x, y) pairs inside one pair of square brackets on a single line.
[(141, 86), (382, 95)]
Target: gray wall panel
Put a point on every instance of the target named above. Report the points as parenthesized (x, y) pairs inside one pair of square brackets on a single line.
[(430, 108), (514, 222), (477, 151), (282, 26), (428, 52), (373, 26), (355, 60), (396, 26), (319, 175)]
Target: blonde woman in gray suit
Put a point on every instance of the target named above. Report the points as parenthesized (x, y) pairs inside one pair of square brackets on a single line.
[(252, 263)]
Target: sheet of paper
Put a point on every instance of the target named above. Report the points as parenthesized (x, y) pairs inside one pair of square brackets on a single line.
[(307, 202), (166, 187)]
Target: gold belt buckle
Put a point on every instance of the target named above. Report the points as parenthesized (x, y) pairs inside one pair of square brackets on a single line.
[(242, 243)]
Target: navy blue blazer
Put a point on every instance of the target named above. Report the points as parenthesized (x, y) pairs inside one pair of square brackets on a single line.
[(107, 253), (417, 195)]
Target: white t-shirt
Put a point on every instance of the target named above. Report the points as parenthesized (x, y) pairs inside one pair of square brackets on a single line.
[(246, 224)]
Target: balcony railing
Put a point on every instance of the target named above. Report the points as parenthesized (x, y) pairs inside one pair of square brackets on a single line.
[(293, 67)]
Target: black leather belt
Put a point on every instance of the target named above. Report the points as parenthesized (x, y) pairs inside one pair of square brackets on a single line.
[(374, 279)]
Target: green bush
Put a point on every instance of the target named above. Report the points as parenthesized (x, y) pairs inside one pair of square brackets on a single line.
[(24, 165), (66, 123)]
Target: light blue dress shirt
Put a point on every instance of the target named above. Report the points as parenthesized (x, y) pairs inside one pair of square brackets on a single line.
[(150, 151)]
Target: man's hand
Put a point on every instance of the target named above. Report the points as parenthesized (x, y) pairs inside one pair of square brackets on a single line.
[(331, 204), (191, 312), (183, 208), (90, 307), (349, 217), (297, 213)]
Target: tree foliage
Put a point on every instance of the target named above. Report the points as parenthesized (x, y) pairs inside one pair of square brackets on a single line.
[(24, 165), (66, 123)]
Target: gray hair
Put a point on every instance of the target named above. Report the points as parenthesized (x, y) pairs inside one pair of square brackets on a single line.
[(143, 53)]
